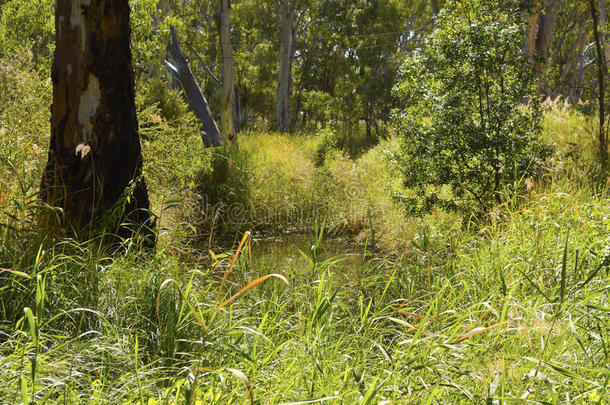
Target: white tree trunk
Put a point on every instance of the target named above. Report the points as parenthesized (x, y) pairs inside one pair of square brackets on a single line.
[(199, 105), (227, 126), (282, 106)]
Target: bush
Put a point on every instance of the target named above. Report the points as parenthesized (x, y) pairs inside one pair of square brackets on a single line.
[(171, 105), (225, 187), (466, 133), (29, 28), (172, 146), (318, 105), (327, 144), (24, 122)]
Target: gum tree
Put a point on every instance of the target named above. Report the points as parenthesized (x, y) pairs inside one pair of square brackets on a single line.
[(287, 14), (227, 125), (94, 168)]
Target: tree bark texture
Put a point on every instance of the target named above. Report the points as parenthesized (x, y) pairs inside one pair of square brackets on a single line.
[(546, 28), (197, 102), (603, 18), (95, 162), (532, 28), (544, 40), (227, 125), (282, 106), (601, 72)]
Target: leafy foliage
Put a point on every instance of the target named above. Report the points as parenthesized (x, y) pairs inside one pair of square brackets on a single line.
[(225, 188), (170, 133), (515, 312), (30, 29), (466, 132), (327, 143)]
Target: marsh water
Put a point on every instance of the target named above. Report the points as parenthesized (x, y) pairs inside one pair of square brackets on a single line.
[(294, 251)]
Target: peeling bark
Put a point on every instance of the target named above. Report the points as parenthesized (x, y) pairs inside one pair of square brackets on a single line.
[(95, 157)]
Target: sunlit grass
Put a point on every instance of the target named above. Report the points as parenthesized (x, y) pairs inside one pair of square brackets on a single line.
[(433, 310), (509, 312)]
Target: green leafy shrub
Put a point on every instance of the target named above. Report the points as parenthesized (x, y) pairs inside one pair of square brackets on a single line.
[(466, 133), (25, 102), (327, 144), (225, 188), (24, 119), (155, 91), (172, 146), (318, 106), (30, 28)]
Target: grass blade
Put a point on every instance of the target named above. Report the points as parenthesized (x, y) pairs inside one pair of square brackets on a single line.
[(252, 285), (230, 270), (564, 271)]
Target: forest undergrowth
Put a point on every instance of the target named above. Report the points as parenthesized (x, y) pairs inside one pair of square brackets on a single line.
[(442, 309)]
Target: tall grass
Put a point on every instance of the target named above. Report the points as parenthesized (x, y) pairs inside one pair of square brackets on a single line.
[(515, 311), (435, 310)]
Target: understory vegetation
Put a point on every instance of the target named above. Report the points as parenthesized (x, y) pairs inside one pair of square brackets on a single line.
[(423, 230), (439, 308)]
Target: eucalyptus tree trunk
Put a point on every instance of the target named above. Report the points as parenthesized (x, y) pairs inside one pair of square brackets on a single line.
[(238, 112), (603, 18), (163, 8), (197, 102), (227, 125), (601, 72), (546, 28), (434, 4), (540, 27), (532, 28), (95, 162), (286, 12), (544, 40)]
